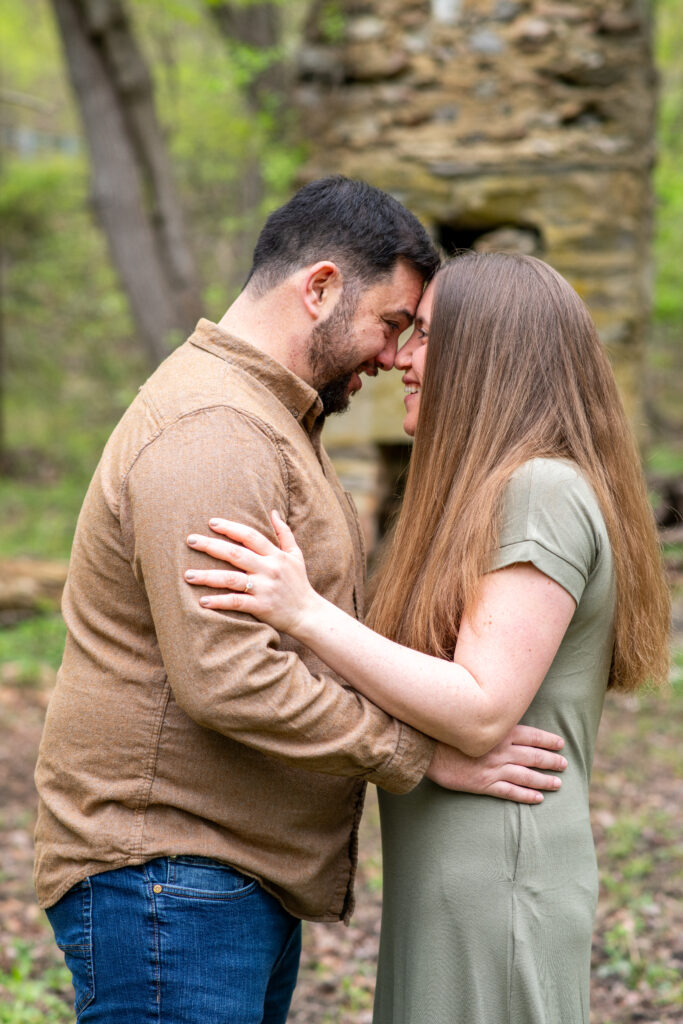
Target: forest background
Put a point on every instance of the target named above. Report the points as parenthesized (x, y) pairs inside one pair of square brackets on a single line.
[(71, 360)]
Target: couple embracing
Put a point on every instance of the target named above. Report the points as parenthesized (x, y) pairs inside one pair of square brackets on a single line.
[(205, 754)]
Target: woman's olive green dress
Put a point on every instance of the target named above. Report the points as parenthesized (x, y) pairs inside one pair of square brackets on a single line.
[(489, 905)]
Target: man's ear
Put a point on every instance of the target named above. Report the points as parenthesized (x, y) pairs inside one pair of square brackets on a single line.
[(321, 286)]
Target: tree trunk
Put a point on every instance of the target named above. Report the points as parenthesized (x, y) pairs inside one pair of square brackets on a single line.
[(132, 187)]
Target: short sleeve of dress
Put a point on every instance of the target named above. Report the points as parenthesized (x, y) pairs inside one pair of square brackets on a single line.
[(548, 519)]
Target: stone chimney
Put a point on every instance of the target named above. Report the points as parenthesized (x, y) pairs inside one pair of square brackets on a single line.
[(522, 125)]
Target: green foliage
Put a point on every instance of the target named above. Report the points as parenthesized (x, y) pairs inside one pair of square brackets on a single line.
[(669, 171), (27, 202), (73, 363), (677, 672), (71, 360), (332, 21), (38, 518), (32, 649), (31, 62), (248, 62), (665, 460), (625, 961), (216, 138), (358, 993), (247, 3), (26, 999)]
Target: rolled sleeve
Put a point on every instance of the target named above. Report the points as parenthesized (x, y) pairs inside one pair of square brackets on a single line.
[(547, 521)]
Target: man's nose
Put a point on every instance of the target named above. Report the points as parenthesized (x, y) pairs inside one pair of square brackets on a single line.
[(386, 357)]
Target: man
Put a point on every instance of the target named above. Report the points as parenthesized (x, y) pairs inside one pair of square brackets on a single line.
[(200, 777)]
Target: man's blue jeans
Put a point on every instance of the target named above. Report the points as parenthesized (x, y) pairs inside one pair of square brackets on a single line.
[(179, 940)]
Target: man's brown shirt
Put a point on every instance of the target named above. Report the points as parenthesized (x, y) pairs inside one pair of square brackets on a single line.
[(175, 729)]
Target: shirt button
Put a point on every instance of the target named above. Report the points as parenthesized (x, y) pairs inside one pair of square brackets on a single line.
[(157, 888)]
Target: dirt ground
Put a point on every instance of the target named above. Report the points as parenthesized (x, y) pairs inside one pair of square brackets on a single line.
[(638, 818)]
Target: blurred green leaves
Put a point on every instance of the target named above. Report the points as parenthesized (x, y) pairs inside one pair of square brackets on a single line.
[(73, 362), (669, 170)]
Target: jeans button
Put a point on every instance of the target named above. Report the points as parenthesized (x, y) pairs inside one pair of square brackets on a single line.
[(157, 889)]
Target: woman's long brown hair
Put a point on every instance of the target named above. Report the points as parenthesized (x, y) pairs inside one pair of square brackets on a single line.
[(515, 370)]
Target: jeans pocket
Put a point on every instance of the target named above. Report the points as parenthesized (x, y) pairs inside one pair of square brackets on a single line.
[(71, 920), (204, 879)]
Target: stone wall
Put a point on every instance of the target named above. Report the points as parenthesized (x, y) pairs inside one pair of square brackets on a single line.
[(513, 124)]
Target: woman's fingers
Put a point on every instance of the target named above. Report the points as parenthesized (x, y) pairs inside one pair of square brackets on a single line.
[(536, 757), (284, 534), (245, 535), (230, 603), (235, 554), (530, 736), (219, 579), (518, 794), (530, 779), (523, 784)]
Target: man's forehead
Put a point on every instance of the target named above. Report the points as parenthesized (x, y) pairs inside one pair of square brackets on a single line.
[(401, 294)]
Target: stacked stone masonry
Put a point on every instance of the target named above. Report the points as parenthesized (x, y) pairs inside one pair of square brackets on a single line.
[(503, 124)]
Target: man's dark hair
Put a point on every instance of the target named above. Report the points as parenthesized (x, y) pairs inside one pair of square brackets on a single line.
[(359, 227)]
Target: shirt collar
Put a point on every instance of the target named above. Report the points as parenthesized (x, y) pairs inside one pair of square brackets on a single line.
[(302, 401)]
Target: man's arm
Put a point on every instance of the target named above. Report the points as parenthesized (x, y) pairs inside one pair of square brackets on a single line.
[(227, 670)]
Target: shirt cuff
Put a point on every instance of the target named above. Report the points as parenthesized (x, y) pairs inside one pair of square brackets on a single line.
[(545, 560), (408, 764)]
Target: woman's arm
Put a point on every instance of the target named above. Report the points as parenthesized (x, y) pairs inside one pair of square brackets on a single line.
[(506, 644)]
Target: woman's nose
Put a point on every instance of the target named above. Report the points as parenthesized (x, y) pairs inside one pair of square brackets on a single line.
[(404, 357)]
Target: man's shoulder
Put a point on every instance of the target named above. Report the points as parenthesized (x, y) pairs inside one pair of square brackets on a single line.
[(192, 381), (192, 404), (189, 380)]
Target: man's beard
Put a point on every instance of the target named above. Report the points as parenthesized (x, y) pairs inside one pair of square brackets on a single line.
[(336, 395), (331, 378)]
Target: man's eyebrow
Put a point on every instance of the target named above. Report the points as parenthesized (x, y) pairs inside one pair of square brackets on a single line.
[(405, 313)]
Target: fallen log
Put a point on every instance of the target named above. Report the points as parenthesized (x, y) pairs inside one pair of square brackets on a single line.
[(30, 585)]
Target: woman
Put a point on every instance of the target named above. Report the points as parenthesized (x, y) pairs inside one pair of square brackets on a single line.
[(523, 578)]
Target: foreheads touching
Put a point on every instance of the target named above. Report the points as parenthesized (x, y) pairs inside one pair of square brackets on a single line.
[(337, 275)]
